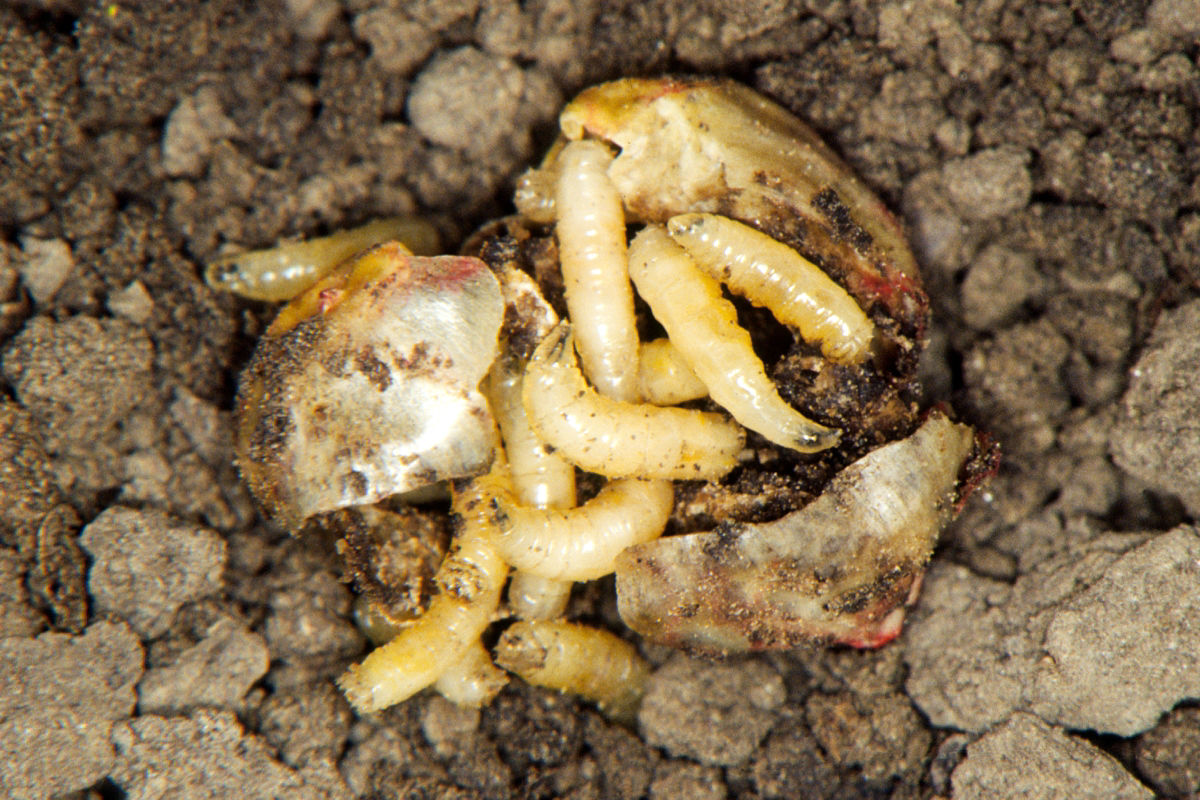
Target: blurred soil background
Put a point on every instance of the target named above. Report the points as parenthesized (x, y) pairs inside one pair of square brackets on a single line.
[(161, 640)]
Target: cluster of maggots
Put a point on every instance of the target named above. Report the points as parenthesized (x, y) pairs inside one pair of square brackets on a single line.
[(803, 497)]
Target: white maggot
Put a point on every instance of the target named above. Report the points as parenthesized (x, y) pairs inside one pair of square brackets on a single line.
[(540, 479), (470, 581), (569, 657), (772, 275), (591, 242), (618, 439), (703, 327), (282, 272), (579, 544)]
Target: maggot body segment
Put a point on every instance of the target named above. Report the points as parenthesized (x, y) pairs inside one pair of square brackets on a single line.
[(664, 377), (618, 439), (534, 597), (703, 327), (394, 374), (471, 679), (540, 478), (771, 274)]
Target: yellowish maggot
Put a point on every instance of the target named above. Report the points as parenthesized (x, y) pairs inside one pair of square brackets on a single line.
[(282, 272), (590, 662), (703, 327)]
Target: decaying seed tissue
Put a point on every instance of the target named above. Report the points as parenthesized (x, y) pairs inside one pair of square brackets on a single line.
[(371, 384)]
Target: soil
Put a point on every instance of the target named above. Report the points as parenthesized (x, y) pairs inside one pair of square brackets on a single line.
[(160, 639)]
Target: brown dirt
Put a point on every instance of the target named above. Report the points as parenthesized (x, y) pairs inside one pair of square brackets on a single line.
[(1043, 156)]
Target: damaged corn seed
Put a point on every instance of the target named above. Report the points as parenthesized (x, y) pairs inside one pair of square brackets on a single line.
[(366, 385), (703, 327), (819, 533), (704, 145), (353, 349), (771, 274), (282, 272), (592, 663), (838, 569), (392, 555), (618, 439)]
